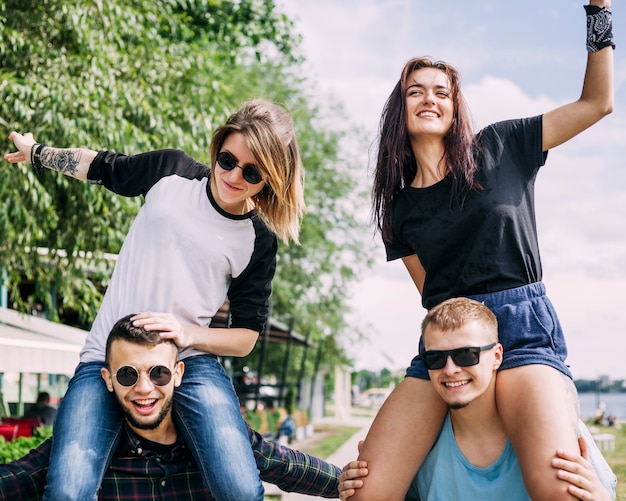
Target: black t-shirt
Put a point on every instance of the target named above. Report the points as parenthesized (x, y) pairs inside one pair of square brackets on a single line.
[(490, 242)]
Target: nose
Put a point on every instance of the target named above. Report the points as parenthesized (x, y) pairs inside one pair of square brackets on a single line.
[(236, 173), (450, 367), (429, 97), (144, 384)]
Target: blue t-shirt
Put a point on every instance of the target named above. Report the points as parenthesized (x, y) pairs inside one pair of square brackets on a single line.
[(446, 474)]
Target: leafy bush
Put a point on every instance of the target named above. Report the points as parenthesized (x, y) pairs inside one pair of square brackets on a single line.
[(10, 451)]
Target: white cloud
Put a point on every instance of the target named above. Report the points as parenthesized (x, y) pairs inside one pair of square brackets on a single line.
[(356, 50)]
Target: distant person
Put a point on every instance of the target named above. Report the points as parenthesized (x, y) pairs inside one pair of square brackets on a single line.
[(472, 459), (151, 461), (458, 208), (42, 410), (286, 429)]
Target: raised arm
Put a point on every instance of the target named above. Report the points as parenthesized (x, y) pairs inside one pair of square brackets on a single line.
[(73, 162), (596, 99)]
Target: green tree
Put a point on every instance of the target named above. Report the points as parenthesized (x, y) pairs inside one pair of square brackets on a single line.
[(312, 280), (125, 75), (135, 75)]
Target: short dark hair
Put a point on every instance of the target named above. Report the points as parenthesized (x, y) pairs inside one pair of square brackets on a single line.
[(43, 397), (125, 330)]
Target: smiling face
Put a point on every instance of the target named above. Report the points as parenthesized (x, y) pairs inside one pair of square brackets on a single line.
[(459, 386), (429, 103), (231, 191), (145, 405)]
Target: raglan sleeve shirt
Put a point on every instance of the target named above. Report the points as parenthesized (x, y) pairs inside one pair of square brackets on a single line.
[(183, 254)]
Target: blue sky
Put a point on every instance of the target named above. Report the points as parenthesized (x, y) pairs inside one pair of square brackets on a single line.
[(516, 59)]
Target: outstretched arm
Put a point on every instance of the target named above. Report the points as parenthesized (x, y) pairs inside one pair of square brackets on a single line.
[(25, 478), (73, 162), (292, 470), (596, 99)]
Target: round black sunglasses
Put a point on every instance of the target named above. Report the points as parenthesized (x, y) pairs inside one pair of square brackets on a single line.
[(128, 375), (463, 357), (227, 161)]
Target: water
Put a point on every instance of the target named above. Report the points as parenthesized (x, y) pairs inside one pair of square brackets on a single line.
[(614, 403)]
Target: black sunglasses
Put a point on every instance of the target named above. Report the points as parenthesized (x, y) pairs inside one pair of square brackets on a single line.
[(228, 162), (128, 375), (463, 357)]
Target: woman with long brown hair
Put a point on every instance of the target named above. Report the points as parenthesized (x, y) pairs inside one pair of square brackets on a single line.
[(458, 209)]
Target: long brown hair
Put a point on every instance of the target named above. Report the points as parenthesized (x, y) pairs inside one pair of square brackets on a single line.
[(396, 166)]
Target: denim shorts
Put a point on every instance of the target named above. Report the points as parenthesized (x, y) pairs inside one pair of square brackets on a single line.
[(528, 328)]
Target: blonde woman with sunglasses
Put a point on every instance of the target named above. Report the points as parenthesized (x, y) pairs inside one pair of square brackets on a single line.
[(202, 235)]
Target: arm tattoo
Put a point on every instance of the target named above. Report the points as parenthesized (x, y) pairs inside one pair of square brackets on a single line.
[(62, 160)]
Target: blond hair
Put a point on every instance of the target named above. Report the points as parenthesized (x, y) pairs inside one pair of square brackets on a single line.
[(269, 133), (455, 313)]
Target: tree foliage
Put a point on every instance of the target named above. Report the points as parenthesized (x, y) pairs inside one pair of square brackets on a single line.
[(134, 75)]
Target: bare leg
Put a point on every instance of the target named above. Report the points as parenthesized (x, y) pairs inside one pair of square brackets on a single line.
[(539, 408), (401, 436)]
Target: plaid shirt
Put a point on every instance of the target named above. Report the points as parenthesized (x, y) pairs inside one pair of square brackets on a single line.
[(143, 470)]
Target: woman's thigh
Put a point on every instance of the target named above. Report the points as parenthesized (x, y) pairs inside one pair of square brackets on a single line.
[(539, 408), (399, 439)]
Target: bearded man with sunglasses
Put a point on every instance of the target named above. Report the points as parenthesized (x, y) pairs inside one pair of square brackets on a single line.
[(151, 461), (473, 458)]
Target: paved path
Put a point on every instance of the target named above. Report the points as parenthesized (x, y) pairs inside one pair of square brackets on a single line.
[(346, 453)]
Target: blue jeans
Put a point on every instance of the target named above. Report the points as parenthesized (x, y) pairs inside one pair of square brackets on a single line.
[(86, 431), (207, 414)]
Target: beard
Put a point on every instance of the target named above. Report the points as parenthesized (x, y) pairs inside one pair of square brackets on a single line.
[(458, 405), (150, 425)]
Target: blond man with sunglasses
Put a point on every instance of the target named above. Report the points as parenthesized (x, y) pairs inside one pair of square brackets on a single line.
[(472, 458), (204, 233)]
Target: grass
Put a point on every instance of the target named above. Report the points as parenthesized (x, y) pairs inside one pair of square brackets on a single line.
[(333, 437), (617, 459), (326, 440)]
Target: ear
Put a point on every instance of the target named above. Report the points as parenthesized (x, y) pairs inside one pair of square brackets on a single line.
[(179, 370), (497, 356), (108, 378)]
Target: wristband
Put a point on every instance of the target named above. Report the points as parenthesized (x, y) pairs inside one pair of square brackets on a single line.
[(599, 28), (32, 152), (36, 157)]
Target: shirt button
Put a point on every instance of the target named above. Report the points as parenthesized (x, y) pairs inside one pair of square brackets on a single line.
[(162, 483), (139, 451)]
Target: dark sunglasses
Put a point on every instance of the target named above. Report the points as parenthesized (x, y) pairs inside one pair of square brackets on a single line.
[(463, 357), (128, 375), (228, 162)]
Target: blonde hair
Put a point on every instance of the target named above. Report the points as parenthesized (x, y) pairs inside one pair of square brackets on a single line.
[(269, 133), (455, 313)]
